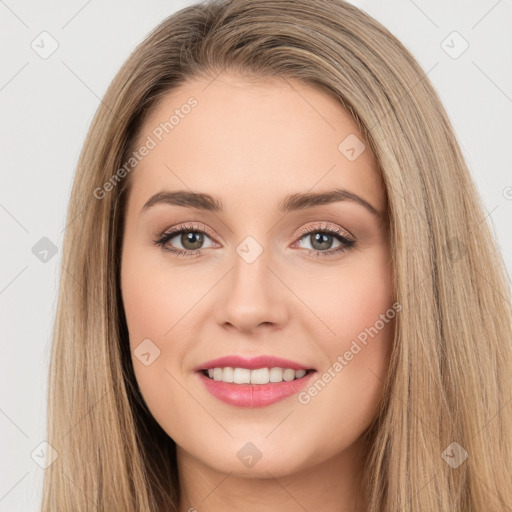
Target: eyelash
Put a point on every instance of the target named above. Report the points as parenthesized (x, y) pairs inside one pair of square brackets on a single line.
[(346, 243)]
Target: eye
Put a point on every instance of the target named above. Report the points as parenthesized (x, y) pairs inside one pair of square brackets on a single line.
[(322, 238), (190, 237)]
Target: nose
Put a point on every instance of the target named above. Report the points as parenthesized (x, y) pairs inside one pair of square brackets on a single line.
[(253, 294)]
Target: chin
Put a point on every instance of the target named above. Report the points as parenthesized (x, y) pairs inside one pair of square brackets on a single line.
[(255, 458)]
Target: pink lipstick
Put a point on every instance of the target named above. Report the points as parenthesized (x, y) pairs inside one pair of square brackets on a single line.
[(253, 382)]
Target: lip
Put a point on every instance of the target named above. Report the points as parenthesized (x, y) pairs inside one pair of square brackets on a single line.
[(252, 363), (254, 395)]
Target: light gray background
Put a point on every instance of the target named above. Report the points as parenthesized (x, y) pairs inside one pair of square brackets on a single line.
[(46, 108)]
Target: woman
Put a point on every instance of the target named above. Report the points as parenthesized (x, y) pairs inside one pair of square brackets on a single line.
[(366, 370)]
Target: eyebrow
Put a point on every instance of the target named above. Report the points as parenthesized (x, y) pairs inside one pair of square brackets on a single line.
[(293, 202)]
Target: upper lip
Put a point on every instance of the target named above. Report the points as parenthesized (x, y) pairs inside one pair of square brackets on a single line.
[(251, 363)]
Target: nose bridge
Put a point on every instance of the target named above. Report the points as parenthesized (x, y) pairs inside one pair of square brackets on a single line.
[(253, 294), (251, 262), (251, 276)]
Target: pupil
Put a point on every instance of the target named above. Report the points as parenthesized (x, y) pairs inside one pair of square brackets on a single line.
[(323, 240), (188, 238)]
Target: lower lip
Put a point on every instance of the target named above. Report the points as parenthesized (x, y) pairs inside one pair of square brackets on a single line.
[(254, 395)]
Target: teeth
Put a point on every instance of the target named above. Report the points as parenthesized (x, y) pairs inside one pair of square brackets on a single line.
[(258, 376), (276, 374), (240, 375), (228, 375), (288, 375)]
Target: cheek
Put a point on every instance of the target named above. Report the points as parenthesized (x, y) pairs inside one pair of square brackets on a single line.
[(156, 302), (357, 307), (366, 320), (151, 301), (351, 298)]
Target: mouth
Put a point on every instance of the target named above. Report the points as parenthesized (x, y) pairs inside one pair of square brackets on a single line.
[(257, 387)]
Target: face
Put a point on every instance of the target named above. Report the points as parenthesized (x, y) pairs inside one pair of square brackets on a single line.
[(258, 271)]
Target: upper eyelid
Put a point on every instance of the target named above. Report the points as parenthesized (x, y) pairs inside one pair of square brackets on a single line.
[(324, 226), (187, 227)]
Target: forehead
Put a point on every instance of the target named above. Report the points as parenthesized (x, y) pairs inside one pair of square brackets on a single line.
[(253, 140)]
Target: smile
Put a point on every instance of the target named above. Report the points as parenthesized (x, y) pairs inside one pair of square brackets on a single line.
[(253, 381)]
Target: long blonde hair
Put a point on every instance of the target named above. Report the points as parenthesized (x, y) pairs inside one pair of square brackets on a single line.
[(450, 371)]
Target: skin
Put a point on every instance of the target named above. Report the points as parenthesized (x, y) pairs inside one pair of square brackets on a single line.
[(251, 144)]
